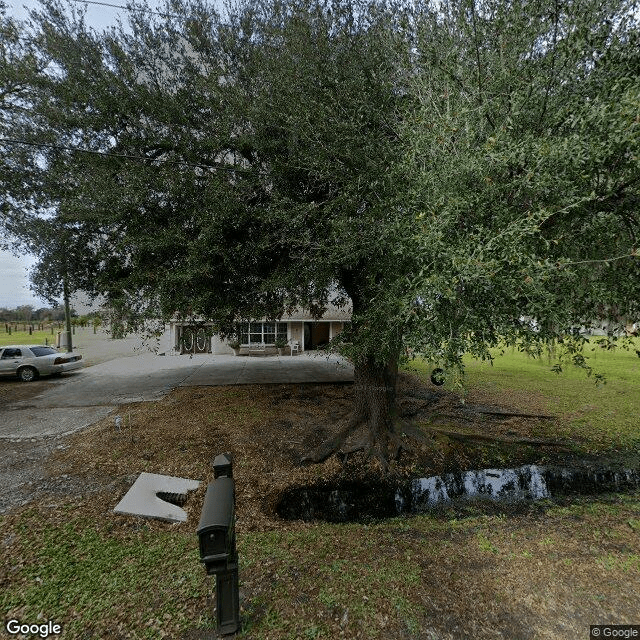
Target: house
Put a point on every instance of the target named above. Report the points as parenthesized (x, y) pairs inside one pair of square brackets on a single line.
[(300, 326)]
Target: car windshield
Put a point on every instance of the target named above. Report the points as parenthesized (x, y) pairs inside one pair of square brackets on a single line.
[(42, 351)]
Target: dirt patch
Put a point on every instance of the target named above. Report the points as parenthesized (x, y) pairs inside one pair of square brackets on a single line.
[(270, 428)]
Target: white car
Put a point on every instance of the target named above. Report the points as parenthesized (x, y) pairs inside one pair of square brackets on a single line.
[(28, 361)]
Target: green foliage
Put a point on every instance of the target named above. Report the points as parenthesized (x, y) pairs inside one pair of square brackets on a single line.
[(594, 419), (26, 313), (454, 172), (525, 149)]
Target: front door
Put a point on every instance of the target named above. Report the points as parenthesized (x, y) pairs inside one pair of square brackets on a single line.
[(308, 333), (316, 335), (194, 340), (320, 334)]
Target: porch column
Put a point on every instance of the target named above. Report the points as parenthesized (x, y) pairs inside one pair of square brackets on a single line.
[(172, 337)]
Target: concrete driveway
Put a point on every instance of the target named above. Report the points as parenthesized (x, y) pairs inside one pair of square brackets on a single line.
[(81, 398)]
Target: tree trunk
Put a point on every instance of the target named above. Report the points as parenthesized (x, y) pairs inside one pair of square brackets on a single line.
[(375, 402), (374, 384), (374, 405)]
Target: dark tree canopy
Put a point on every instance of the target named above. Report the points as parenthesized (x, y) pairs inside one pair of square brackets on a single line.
[(453, 171)]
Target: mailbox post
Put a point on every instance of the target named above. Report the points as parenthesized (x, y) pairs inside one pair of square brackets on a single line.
[(217, 541), (222, 466)]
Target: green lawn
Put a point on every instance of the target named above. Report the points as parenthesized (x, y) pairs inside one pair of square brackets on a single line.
[(23, 337), (599, 416), (112, 578)]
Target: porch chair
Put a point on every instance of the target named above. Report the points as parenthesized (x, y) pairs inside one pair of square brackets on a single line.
[(295, 346)]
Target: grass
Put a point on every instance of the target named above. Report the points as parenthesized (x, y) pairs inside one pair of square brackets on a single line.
[(81, 568), (597, 418), (544, 570), (23, 337), (108, 578)]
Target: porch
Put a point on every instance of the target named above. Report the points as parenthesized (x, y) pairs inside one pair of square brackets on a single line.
[(256, 338)]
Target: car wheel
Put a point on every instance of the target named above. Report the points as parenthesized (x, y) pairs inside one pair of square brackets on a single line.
[(27, 374)]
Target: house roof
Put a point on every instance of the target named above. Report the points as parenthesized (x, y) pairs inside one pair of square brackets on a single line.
[(332, 313)]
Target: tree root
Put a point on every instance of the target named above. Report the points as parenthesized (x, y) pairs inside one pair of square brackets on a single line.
[(402, 435), (332, 445), (414, 432), (505, 414), (397, 442), (361, 445), (464, 437), (399, 445), (473, 410)]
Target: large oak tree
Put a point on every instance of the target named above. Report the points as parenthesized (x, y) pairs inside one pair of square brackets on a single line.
[(449, 171)]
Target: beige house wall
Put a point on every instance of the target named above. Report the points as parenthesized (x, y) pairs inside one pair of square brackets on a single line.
[(336, 329), (295, 332), (220, 347)]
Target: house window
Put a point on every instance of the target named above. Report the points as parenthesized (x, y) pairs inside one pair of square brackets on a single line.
[(261, 332)]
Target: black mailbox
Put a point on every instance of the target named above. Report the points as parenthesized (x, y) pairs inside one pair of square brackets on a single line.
[(216, 531), (217, 540), (223, 466)]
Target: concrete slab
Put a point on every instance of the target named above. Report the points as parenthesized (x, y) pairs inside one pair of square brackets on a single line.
[(305, 368), (131, 379), (83, 397), (142, 499), (34, 422)]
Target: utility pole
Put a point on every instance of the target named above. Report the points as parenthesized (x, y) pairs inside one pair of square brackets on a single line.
[(67, 311)]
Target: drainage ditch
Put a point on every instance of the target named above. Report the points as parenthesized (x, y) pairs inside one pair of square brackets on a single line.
[(352, 501)]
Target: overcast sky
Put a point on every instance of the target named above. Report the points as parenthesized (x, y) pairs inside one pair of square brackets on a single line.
[(98, 15), (14, 283)]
